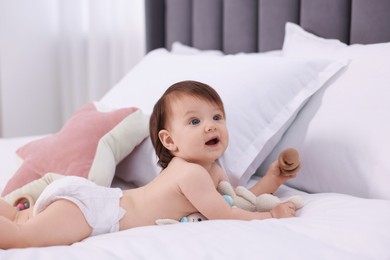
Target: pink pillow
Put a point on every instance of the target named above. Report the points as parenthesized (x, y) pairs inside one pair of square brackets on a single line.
[(89, 145)]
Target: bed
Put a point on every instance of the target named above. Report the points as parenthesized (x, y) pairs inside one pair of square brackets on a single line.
[(308, 74)]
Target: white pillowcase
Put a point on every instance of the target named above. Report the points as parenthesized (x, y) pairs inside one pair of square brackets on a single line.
[(299, 43), (179, 48), (262, 95), (343, 132)]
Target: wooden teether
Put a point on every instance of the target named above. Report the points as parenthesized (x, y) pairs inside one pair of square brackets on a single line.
[(289, 162)]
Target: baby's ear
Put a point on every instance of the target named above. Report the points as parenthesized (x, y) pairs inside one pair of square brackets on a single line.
[(167, 140)]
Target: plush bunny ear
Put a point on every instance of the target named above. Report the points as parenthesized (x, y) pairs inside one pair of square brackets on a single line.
[(225, 188), (166, 221), (246, 194), (289, 162)]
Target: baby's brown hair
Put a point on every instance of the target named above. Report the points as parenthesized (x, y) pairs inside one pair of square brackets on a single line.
[(158, 119)]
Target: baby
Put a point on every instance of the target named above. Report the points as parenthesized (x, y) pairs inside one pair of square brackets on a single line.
[(188, 131)]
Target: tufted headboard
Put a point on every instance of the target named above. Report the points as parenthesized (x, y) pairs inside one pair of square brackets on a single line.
[(258, 25)]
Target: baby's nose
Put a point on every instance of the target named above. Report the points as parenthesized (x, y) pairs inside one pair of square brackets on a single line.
[(211, 127)]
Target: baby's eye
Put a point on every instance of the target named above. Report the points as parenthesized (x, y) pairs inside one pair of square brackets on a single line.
[(217, 117), (194, 121)]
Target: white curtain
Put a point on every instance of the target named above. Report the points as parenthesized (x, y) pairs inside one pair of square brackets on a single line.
[(56, 55), (99, 43)]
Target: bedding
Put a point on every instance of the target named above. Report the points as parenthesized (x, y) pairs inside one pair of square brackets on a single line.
[(179, 48), (89, 145), (329, 226), (247, 83), (341, 218), (344, 142)]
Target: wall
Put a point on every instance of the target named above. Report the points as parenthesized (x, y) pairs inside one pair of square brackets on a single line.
[(40, 87)]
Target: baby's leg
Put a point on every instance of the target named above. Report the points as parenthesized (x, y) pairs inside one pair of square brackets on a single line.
[(61, 223), (7, 210)]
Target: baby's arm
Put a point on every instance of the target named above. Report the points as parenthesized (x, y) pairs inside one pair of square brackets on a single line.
[(200, 190), (271, 180)]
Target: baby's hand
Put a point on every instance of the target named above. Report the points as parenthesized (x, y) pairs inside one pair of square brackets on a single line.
[(274, 173), (283, 210)]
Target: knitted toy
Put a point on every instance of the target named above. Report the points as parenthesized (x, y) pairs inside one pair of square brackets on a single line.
[(194, 217), (245, 199), (289, 164), (22, 204)]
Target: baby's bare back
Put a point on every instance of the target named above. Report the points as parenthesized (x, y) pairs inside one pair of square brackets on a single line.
[(159, 199), (163, 198)]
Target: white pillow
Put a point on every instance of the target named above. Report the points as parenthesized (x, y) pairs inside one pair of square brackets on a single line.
[(299, 43), (262, 95), (343, 132), (179, 48)]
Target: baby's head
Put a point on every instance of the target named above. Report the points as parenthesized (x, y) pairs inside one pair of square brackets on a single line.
[(163, 109)]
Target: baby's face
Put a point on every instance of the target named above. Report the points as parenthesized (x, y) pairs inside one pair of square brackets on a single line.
[(198, 129)]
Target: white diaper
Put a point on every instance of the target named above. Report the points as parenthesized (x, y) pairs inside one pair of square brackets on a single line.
[(100, 205)]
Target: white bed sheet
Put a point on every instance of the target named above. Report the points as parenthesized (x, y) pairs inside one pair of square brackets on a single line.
[(329, 226)]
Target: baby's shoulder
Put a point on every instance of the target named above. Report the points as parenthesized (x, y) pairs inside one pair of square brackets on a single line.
[(177, 162), (217, 173), (186, 169)]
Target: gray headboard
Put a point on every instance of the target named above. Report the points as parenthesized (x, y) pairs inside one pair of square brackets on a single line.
[(258, 25)]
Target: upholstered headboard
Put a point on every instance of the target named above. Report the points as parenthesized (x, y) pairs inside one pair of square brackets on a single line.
[(258, 25)]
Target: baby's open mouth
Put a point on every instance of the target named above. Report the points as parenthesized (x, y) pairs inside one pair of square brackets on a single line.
[(212, 141)]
